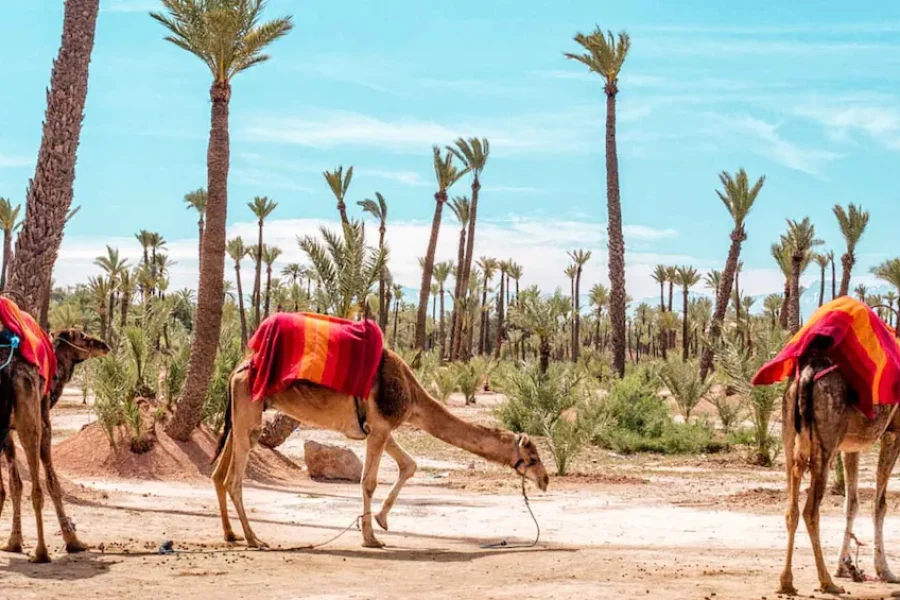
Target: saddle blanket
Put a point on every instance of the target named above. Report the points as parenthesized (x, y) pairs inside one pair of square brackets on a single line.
[(35, 345)]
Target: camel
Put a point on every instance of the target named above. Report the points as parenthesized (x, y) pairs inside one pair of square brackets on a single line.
[(818, 420), (20, 392), (396, 398)]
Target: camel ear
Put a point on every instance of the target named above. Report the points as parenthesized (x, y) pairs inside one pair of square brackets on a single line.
[(523, 440)]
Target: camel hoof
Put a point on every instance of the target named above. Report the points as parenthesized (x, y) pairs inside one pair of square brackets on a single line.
[(259, 545), (40, 558), (76, 547), (787, 589), (14, 547), (888, 577), (382, 521), (232, 538), (831, 588), (373, 543), (842, 573)]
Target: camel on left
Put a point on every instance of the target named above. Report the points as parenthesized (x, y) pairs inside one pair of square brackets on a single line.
[(24, 408)]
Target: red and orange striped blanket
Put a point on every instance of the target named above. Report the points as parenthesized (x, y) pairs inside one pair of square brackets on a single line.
[(336, 353), (865, 350), (35, 345)]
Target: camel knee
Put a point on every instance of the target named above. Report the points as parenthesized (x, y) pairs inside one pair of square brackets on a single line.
[(408, 469)]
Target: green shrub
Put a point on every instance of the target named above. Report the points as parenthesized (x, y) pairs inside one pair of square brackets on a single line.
[(633, 405), (216, 396), (111, 384), (444, 383), (685, 384), (467, 379)]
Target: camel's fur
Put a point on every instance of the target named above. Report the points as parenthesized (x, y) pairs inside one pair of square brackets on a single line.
[(396, 398), (818, 420), (21, 385)]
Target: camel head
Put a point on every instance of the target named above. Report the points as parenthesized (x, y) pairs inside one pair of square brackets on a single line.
[(82, 345), (528, 462)]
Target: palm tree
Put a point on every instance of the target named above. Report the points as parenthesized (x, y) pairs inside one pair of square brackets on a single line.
[(100, 289), (197, 201), (738, 197), (126, 291), (446, 174), (605, 56), (473, 153), (822, 260), (114, 268), (660, 275), (599, 297), (503, 266), (378, 208), (539, 317), (270, 255), (800, 240), (488, 268), (49, 193), (293, 272), (890, 297), (261, 207), (772, 307), (861, 292), (461, 210), (889, 271), (442, 271), (339, 183), (144, 238), (229, 38), (713, 280), (782, 256), (571, 272), (9, 221), (688, 277), (398, 300), (580, 258), (852, 222), (830, 255)]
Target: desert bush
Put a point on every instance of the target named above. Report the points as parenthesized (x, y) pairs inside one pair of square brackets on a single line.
[(730, 411), (685, 384), (111, 384), (216, 396), (443, 383), (468, 379), (176, 371)]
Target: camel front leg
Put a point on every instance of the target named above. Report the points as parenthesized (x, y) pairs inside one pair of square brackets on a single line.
[(28, 426), (218, 477), (851, 508), (792, 519), (73, 544), (887, 458), (820, 462), (407, 466), (375, 445), (14, 544)]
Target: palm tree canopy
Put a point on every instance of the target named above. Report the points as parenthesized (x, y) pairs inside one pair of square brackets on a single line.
[(227, 35), (660, 274), (580, 257), (112, 264), (270, 254), (339, 182), (889, 271), (713, 279), (292, 271), (196, 200), (514, 270), (460, 206), (738, 195), (605, 55), (262, 207), (801, 238), (377, 208), (599, 295), (442, 271), (852, 222), (571, 271), (472, 153), (488, 266), (9, 215), (822, 259), (688, 277), (445, 172), (236, 249)]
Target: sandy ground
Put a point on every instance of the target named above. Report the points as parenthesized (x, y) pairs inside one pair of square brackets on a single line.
[(635, 527)]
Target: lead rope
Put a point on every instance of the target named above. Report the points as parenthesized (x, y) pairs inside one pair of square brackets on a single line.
[(504, 545), (12, 345)]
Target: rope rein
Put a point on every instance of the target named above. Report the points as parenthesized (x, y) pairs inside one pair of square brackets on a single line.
[(504, 545)]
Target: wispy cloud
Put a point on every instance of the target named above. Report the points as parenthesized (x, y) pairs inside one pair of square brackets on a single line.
[(405, 177), (13, 162), (130, 6), (566, 131), (767, 141), (513, 189), (844, 120), (267, 179)]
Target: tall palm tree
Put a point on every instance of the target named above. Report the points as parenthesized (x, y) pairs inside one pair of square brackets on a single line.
[(100, 289), (114, 266), (580, 258), (822, 260), (126, 292), (688, 277), (571, 271), (442, 271), (398, 301), (660, 275), (293, 272), (738, 196), (9, 221), (889, 271), (891, 297), (772, 307), (236, 252), (503, 266), (446, 174), (461, 210), (782, 256), (713, 281), (861, 291), (339, 182), (378, 208), (800, 240), (852, 222), (49, 193), (270, 255), (262, 208), (144, 238), (229, 37), (197, 200), (672, 278), (605, 56), (473, 153), (830, 255), (599, 297), (488, 268)]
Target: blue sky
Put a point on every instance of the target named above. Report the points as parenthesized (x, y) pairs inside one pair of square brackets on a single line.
[(803, 92)]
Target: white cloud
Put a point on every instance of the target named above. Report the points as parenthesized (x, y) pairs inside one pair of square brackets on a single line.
[(569, 130), (768, 142), (845, 119), (13, 162), (266, 179), (540, 245), (405, 177)]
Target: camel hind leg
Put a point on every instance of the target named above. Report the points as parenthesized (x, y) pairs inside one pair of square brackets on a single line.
[(14, 544), (218, 477), (73, 544), (851, 508), (795, 465), (28, 426), (375, 447), (887, 458), (820, 463), (407, 466)]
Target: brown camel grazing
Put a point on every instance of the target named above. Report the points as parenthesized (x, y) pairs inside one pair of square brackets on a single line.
[(396, 398), (20, 387), (818, 420)]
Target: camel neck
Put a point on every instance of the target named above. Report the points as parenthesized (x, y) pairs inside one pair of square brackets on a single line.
[(65, 368), (495, 445)]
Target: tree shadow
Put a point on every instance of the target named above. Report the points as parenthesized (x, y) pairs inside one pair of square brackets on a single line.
[(69, 567)]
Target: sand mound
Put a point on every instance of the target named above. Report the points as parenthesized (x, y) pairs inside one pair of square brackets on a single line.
[(88, 454)]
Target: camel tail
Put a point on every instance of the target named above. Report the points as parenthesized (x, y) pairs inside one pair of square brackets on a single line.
[(7, 398), (226, 429), (804, 415)]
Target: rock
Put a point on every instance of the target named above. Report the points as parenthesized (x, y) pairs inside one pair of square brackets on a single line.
[(331, 463)]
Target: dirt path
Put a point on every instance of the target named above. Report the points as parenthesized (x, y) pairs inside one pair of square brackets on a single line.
[(645, 527)]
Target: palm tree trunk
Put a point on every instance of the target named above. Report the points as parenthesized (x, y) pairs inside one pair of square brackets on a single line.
[(442, 332), (794, 305), (125, 301), (49, 193), (485, 320), (718, 318), (7, 251), (277, 431), (822, 288), (576, 337), (544, 350), (500, 317), (396, 319), (383, 301), (257, 282), (200, 242), (456, 323), (784, 314), (847, 261), (268, 290), (440, 197), (684, 327), (210, 296), (833, 280), (616, 239), (240, 293)]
